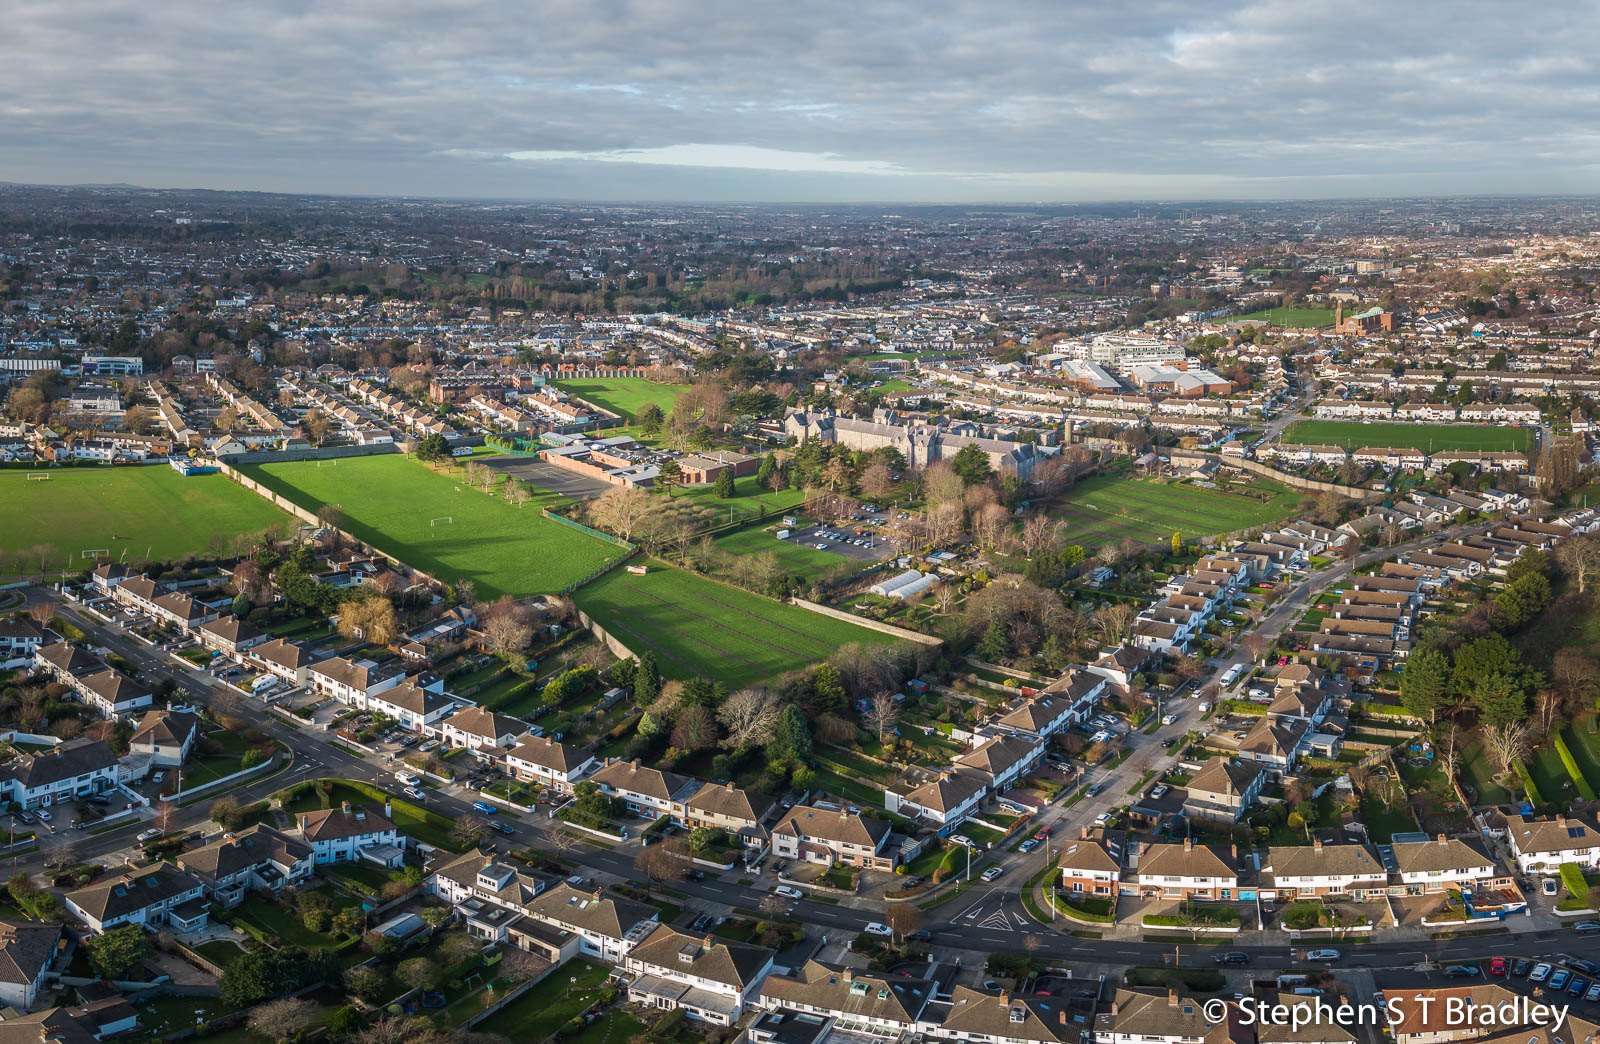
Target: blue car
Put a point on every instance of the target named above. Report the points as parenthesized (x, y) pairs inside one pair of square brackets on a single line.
[(484, 807)]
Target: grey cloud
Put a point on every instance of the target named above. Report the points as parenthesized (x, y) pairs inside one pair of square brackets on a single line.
[(973, 100)]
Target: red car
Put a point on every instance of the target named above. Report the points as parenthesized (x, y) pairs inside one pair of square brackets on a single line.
[(1043, 832), (1497, 966)]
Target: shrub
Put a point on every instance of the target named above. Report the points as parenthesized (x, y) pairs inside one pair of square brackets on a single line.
[(252, 757)]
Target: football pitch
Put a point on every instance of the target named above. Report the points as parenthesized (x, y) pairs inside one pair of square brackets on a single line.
[(624, 395), (132, 513), (1295, 318), (433, 521), (698, 627), (1105, 508), (1425, 437)]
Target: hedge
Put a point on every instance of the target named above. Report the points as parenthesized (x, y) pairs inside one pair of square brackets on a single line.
[(1585, 791), (1534, 797)]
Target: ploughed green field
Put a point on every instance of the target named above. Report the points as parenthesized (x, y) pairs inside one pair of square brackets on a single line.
[(144, 512), (1298, 318), (1425, 437), (624, 395), (1105, 508), (390, 501), (696, 626)]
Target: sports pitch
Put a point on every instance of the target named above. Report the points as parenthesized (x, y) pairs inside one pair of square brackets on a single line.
[(1294, 318), (695, 626), (397, 505), (148, 512), (1105, 508), (624, 395), (1425, 437)]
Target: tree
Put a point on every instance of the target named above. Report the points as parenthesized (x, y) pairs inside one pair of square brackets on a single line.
[(507, 628), (877, 481), (723, 486), (791, 739), (661, 861), (1501, 700), (646, 680), (828, 688), (1507, 743), (468, 831), (282, 1019), (433, 448), (1574, 672), (420, 973), (1478, 662), (766, 471), (972, 464), (994, 645), (227, 813), (621, 510), (1579, 557), (370, 619), (903, 918), (118, 953), (1177, 544), (1113, 622), (941, 484), (1425, 684), (650, 418), (1038, 533), (881, 714), (748, 717), (254, 977), (1523, 599), (696, 729)]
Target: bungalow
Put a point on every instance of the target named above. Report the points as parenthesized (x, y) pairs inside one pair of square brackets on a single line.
[(945, 801), (1186, 871), (259, 858), (646, 790), (344, 834), (857, 1001), (1542, 845), (727, 807), (1443, 864), (539, 759), (167, 736), (159, 894), (821, 836), (705, 977), (1324, 870)]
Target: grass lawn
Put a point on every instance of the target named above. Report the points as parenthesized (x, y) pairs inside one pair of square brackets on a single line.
[(1384, 821), (391, 499), (1298, 318), (548, 1006), (698, 627), (937, 854), (1105, 508), (285, 924), (829, 782), (793, 556), (1427, 437), (145, 512), (624, 395), (614, 1027), (169, 1014), (1585, 748), (749, 499), (220, 952), (422, 825)]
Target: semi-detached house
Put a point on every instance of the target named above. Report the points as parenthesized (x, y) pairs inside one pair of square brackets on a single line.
[(1322, 870), (944, 802), (258, 859), (1089, 868), (822, 836), (855, 1000), (1542, 845), (478, 728), (540, 759), (705, 977), (730, 808), (1184, 871), (646, 790), (1443, 864), (353, 681), (154, 896), (345, 834), (74, 768)]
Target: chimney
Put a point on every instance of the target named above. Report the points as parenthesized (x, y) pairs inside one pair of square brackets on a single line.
[(344, 806), (1114, 1007), (1005, 998), (1188, 844), (1561, 820), (849, 975), (303, 820), (1234, 851), (1083, 833), (1062, 1017), (1172, 997)]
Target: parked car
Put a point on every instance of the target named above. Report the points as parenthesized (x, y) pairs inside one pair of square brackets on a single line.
[(1587, 926), (26, 817), (1097, 789), (1520, 966), (1587, 967), (410, 779), (416, 794), (1028, 845), (919, 935), (1549, 886), (1235, 957), (1497, 966), (1324, 956), (44, 814), (993, 872), (876, 928), (788, 892), (1159, 790), (1576, 987), (1042, 833), (158, 778), (1102, 819), (702, 922), (148, 835), (1593, 993), (1461, 971), (484, 807), (962, 839), (1541, 972), (1558, 979)]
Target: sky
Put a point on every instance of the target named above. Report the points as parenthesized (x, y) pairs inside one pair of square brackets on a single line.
[(814, 101)]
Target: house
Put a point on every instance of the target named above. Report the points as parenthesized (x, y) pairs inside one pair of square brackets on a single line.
[(1274, 743), (477, 728), (408, 703), (1223, 790), (345, 834), (705, 977), (609, 928), (1000, 761), (945, 801), (81, 1025), (1184, 871), (727, 807), (1089, 868), (1443, 864), (1542, 845), (26, 950), (646, 790), (539, 759), (157, 895), (20, 639), (285, 660), (821, 836), (78, 766), (167, 736), (856, 1001), (231, 636), (353, 681), (1456, 1013), (113, 694), (257, 859), (1120, 665), (1324, 870), (975, 1015), (1152, 1016)]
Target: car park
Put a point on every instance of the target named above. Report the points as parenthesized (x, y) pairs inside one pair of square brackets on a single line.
[(876, 928), (993, 872), (788, 892)]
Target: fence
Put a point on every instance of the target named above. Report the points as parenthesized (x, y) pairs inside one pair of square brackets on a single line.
[(234, 777), (611, 641), (871, 625), (607, 537)]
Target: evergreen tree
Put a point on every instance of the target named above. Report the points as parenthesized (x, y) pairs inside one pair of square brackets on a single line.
[(972, 464), (993, 646), (769, 465), (646, 681), (829, 689), (791, 738), (723, 487), (1425, 683)]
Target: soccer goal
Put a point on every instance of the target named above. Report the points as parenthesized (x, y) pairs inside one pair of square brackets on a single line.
[(38, 476), (94, 552), (446, 519), (331, 463)]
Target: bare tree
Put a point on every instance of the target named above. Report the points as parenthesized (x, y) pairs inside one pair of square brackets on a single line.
[(660, 862), (881, 714), (877, 481), (1255, 645), (1039, 532), (283, 1018), (42, 613), (945, 522), (1507, 743), (748, 716), (941, 484), (468, 830), (1574, 672), (1579, 557), (1113, 622), (903, 918)]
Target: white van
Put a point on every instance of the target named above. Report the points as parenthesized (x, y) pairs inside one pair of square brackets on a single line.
[(1231, 675)]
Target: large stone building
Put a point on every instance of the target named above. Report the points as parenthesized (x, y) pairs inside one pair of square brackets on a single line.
[(920, 444)]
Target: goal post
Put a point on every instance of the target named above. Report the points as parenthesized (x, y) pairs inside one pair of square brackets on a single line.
[(38, 476), (94, 552), (446, 519)]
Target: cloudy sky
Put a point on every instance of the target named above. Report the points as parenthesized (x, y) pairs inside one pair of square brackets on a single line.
[(806, 100)]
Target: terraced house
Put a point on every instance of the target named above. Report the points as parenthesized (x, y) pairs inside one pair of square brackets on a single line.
[(353, 681), (855, 1001)]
